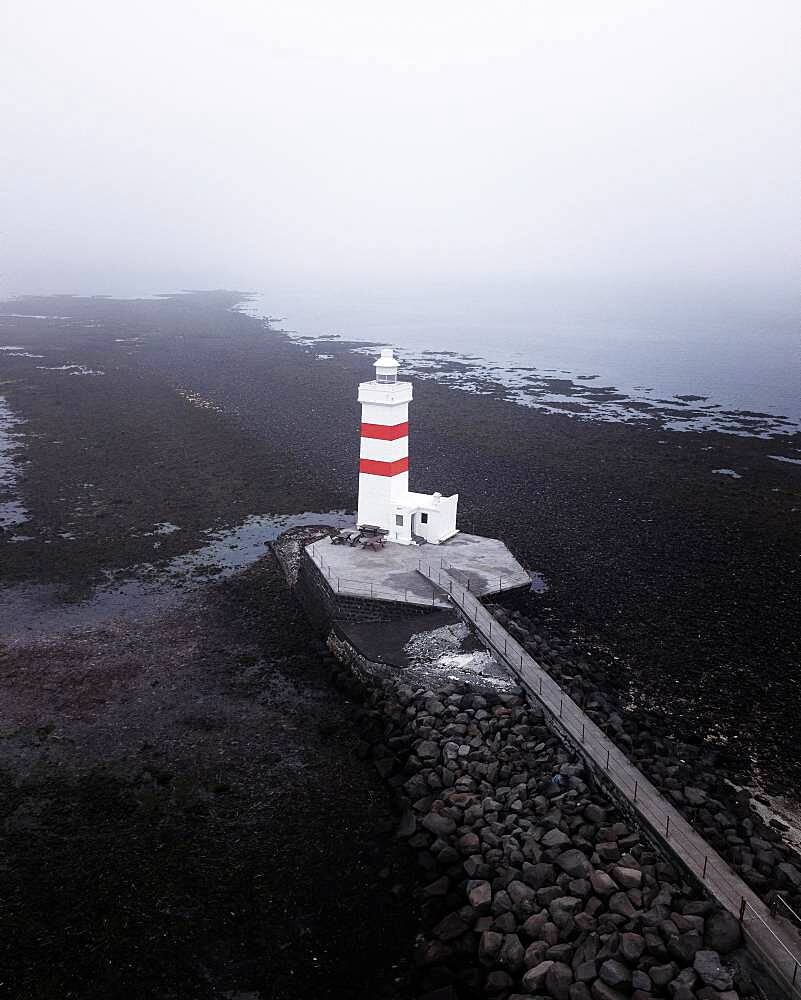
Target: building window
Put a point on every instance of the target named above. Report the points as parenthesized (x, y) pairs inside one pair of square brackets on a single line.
[(386, 378), (424, 519), (399, 520)]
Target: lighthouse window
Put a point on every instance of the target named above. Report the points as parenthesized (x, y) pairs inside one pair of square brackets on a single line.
[(424, 518), (385, 378), (399, 520)]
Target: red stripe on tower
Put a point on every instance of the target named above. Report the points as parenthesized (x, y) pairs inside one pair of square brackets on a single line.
[(382, 432), (375, 468)]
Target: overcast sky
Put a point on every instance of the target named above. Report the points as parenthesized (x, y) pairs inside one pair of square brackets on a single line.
[(149, 146)]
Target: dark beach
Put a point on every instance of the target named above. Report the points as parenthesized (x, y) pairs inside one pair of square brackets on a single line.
[(681, 582)]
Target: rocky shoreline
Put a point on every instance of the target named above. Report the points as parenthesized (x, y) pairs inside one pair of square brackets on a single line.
[(704, 782), (531, 883)]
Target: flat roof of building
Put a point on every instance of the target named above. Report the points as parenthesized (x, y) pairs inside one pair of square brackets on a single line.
[(391, 573)]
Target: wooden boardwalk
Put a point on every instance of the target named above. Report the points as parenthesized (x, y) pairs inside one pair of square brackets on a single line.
[(773, 939)]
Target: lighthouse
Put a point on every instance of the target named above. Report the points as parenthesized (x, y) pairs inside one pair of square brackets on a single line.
[(384, 497)]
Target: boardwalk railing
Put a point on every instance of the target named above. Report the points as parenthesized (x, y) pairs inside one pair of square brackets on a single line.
[(474, 582), (772, 937)]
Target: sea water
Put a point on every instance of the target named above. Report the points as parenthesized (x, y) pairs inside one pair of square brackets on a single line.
[(730, 349)]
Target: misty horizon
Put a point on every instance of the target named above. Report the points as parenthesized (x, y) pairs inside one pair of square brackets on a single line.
[(629, 146)]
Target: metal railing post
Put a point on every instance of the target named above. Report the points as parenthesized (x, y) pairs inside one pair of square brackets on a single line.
[(582, 732), (667, 826), (560, 707), (635, 789), (703, 873), (540, 685), (607, 759), (742, 909)]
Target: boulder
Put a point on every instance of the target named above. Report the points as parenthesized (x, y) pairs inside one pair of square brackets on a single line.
[(683, 947), (661, 975), (558, 980), (615, 974), (534, 979), (479, 894), (539, 875), (602, 884), (511, 953), (695, 796), (603, 991), (722, 932), (632, 946), (439, 825), (535, 953), (641, 981), (555, 838), (620, 903), (563, 909), (428, 750), (519, 892), (489, 944), (574, 863), (686, 980), (594, 813), (711, 972), (534, 924), (468, 843), (626, 878)]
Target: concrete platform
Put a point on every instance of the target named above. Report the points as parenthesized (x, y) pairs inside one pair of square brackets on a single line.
[(391, 574)]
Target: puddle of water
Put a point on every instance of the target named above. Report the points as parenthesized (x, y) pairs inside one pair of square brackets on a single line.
[(72, 369), (785, 458), (162, 528), (538, 583), (32, 610), (726, 472), (12, 511)]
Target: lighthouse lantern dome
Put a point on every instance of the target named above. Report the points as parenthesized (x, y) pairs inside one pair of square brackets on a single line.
[(386, 367)]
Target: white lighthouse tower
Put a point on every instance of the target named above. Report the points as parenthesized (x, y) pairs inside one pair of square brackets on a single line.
[(384, 497)]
